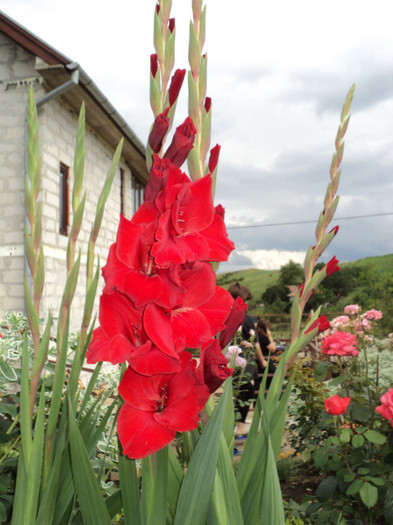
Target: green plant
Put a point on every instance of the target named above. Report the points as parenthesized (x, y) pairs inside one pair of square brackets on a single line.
[(353, 449)]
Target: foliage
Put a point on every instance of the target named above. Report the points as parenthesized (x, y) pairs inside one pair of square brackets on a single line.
[(353, 450)]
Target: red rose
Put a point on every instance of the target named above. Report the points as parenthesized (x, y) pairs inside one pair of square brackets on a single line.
[(336, 405)]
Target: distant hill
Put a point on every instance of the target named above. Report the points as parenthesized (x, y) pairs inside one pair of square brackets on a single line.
[(258, 280)]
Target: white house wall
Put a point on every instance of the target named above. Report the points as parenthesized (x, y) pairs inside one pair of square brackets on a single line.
[(57, 133)]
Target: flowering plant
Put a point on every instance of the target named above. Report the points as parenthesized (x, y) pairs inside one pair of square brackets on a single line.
[(159, 309), (351, 439)]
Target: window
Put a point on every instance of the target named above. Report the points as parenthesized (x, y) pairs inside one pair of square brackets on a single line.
[(63, 199), (137, 194)]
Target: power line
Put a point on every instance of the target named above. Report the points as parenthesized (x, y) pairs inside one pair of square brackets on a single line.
[(306, 222)]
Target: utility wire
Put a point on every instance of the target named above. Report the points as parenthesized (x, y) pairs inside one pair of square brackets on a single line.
[(306, 222)]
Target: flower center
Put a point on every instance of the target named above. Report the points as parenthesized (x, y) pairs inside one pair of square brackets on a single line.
[(164, 398)]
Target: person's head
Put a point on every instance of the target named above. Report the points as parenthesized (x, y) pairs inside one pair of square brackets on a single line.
[(239, 290), (263, 326)]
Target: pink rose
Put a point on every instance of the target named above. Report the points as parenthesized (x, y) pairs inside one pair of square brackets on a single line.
[(386, 409), (340, 343), (352, 309), (373, 315)]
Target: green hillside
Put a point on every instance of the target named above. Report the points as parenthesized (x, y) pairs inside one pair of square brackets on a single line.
[(258, 280), (383, 265)]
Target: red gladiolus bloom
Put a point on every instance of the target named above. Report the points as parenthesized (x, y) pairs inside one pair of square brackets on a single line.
[(182, 143), (336, 405), (340, 343), (163, 171), (332, 266), (213, 369), (121, 337), (208, 104), (322, 323), (234, 320), (386, 409), (159, 130), (200, 316), (157, 407)]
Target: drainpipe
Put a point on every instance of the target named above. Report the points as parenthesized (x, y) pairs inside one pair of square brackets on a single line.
[(73, 81)]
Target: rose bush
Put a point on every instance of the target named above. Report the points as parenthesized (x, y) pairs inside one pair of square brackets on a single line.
[(350, 440)]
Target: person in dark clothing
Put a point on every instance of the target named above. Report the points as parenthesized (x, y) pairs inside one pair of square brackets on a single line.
[(250, 374), (268, 349)]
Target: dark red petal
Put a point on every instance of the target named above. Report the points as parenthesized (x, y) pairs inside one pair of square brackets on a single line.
[(182, 143), (120, 349), (139, 390), (153, 361), (220, 246), (140, 435), (213, 159), (199, 283), (98, 348), (233, 321), (158, 328), (213, 368), (153, 65), (194, 210), (192, 325), (119, 316), (159, 130), (217, 309), (175, 85)]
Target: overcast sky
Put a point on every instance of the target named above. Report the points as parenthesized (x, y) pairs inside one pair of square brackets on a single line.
[(278, 74)]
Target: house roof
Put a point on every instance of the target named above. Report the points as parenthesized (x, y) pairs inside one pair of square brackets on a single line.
[(101, 116)]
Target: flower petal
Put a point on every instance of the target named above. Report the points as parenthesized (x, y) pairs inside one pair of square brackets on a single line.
[(139, 433)]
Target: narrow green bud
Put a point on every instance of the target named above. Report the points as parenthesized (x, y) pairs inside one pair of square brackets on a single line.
[(193, 102), (194, 52), (202, 81), (158, 38)]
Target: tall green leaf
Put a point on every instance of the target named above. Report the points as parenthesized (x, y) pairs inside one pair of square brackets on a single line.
[(92, 505), (198, 481), (130, 494)]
